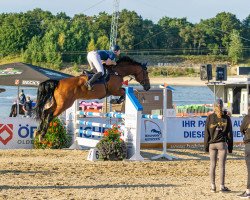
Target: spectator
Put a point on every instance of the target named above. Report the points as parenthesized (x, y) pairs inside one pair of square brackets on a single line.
[(13, 111), (218, 139), (22, 97), (27, 107), (245, 130)]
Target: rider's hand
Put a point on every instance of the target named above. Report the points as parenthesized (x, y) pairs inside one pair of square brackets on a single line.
[(110, 62)]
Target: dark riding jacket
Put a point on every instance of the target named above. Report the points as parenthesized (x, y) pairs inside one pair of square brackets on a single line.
[(105, 55), (218, 130)]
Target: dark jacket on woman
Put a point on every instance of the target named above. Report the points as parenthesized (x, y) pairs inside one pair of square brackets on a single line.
[(245, 128), (218, 130)]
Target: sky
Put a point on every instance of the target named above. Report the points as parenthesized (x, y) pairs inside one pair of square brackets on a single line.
[(193, 10)]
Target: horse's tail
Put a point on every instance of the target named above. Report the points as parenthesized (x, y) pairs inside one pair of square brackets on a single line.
[(45, 92)]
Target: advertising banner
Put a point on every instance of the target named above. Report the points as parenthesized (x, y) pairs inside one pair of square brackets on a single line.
[(17, 133), (179, 130), (182, 130)]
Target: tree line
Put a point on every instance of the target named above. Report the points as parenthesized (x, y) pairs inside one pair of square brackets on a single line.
[(41, 37)]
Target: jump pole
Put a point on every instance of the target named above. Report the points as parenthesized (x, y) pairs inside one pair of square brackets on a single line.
[(164, 144), (132, 124)]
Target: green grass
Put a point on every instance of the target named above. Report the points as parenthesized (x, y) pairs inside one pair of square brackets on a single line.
[(11, 59), (245, 62)]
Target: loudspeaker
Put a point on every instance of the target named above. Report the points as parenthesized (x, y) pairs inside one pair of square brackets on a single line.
[(206, 72), (221, 72)]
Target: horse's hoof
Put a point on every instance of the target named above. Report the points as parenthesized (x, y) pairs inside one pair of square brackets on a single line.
[(36, 133), (40, 138), (113, 101), (120, 101)]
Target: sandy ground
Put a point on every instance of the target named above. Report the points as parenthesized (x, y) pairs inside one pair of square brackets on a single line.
[(66, 174), (189, 81)]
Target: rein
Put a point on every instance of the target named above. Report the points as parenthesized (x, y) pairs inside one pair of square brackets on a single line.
[(131, 77)]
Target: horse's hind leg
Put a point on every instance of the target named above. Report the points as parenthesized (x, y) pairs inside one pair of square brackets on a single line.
[(39, 131), (47, 121), (40, 127)]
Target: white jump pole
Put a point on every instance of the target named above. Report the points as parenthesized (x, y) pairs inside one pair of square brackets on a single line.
[(164, 144)]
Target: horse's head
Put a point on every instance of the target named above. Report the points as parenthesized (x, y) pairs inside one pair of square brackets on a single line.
[(142, 76), (138, 70)]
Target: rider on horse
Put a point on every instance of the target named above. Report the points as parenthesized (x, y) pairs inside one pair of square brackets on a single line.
[(95, 59)]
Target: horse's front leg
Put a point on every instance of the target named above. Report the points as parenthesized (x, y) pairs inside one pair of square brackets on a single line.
[(121, 98)]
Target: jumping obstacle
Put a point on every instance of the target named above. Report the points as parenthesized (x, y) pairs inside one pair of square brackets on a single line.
[(163, 117), (96, 124), (131, 127)]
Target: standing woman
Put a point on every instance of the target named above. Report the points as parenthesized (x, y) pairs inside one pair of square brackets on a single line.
[(245, 130), (218, 140)]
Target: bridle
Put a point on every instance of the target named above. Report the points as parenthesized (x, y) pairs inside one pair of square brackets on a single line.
[(144, 74)]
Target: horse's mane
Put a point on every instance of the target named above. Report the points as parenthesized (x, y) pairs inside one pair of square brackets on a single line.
[(127, 59)]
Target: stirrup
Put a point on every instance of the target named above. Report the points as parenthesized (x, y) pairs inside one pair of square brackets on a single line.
[(89, 87)]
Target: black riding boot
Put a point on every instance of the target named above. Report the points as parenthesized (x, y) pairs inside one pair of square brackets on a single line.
[(93, 79)]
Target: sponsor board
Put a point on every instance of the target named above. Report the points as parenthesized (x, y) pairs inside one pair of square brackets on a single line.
[(183, 130), (17, 133), (179, 130)]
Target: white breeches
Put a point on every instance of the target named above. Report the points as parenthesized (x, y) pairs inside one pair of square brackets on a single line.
[(95, 61)]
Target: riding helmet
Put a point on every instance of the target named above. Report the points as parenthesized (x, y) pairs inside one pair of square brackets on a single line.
[(115, 48)]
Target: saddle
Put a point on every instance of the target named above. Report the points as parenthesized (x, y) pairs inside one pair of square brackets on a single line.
[(102, 80)]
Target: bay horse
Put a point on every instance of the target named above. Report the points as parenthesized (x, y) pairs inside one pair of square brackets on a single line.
[(54, 97)]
